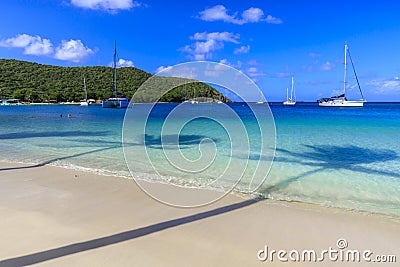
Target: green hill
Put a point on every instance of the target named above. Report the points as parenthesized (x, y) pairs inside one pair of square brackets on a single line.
[(37, 83)]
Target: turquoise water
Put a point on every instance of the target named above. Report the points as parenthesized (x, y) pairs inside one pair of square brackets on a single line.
[(345, 158)]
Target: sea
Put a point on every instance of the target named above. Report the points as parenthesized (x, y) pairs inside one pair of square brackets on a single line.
[(347, 158)]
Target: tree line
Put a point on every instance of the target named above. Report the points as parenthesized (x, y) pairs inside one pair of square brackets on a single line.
[(29, 81)]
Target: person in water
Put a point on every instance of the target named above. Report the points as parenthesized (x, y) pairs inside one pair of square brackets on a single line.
[(69, 116)]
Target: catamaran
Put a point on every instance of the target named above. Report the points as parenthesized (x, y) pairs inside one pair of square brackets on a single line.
[(11, 102), (115, 102), (292, 100), (341, 100)]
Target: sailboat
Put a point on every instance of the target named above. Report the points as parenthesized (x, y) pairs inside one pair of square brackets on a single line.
[(292, 100), (84, 102), (115, 102), (341, 100), (194, 101), (261, 101)]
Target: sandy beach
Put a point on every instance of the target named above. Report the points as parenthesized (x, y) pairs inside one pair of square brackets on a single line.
[(59, 217)]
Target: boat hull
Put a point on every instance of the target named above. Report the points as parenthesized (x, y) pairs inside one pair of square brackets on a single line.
[(341, 103), (116, 103), (289, 103)]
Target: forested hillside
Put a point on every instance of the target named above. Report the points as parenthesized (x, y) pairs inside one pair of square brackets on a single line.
[(37, 83)]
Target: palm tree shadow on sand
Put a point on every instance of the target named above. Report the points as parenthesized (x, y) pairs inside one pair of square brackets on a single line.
[(327, 157), (100, 242)]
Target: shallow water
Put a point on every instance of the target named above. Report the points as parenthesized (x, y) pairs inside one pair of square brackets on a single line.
[(346, 158)]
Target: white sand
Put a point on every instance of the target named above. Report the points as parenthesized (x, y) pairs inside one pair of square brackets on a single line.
[(58, 217)]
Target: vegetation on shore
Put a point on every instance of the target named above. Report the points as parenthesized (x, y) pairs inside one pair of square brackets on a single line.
[(35, 82)]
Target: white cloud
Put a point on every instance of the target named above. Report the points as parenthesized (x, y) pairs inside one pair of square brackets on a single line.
[(218, 12), (33, 45), (216, 36), (39, 47), (206, 43), (108, 5), (242, 50), (225, 61), (162, 68), (251, 15), (272, 20), (72, 50), (179, 70), (202, 50), (21, 40), (122, 63), (254, 72), (238, 64), (327, 66), (385, 86), (125, 63), (219, 70)]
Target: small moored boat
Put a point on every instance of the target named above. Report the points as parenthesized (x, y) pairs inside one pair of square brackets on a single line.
[(116, 102), (292, 100)]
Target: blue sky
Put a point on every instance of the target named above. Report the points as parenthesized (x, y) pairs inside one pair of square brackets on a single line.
[(267, 40)]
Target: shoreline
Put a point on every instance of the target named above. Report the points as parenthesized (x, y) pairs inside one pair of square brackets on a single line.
[(238, 194), (62, 217)]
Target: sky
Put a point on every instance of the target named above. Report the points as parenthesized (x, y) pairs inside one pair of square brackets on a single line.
[(270, 41)]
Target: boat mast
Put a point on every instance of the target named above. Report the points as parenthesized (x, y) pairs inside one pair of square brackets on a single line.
[(84, 87), (185, 90), (115, 69), (292, 92), (287, 94), (345, 68)]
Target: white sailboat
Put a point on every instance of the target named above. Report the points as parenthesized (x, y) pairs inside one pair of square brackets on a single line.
[(194, 101), (292, 100), (261, 101), (84, 102), (115, 102), (341, 100)]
